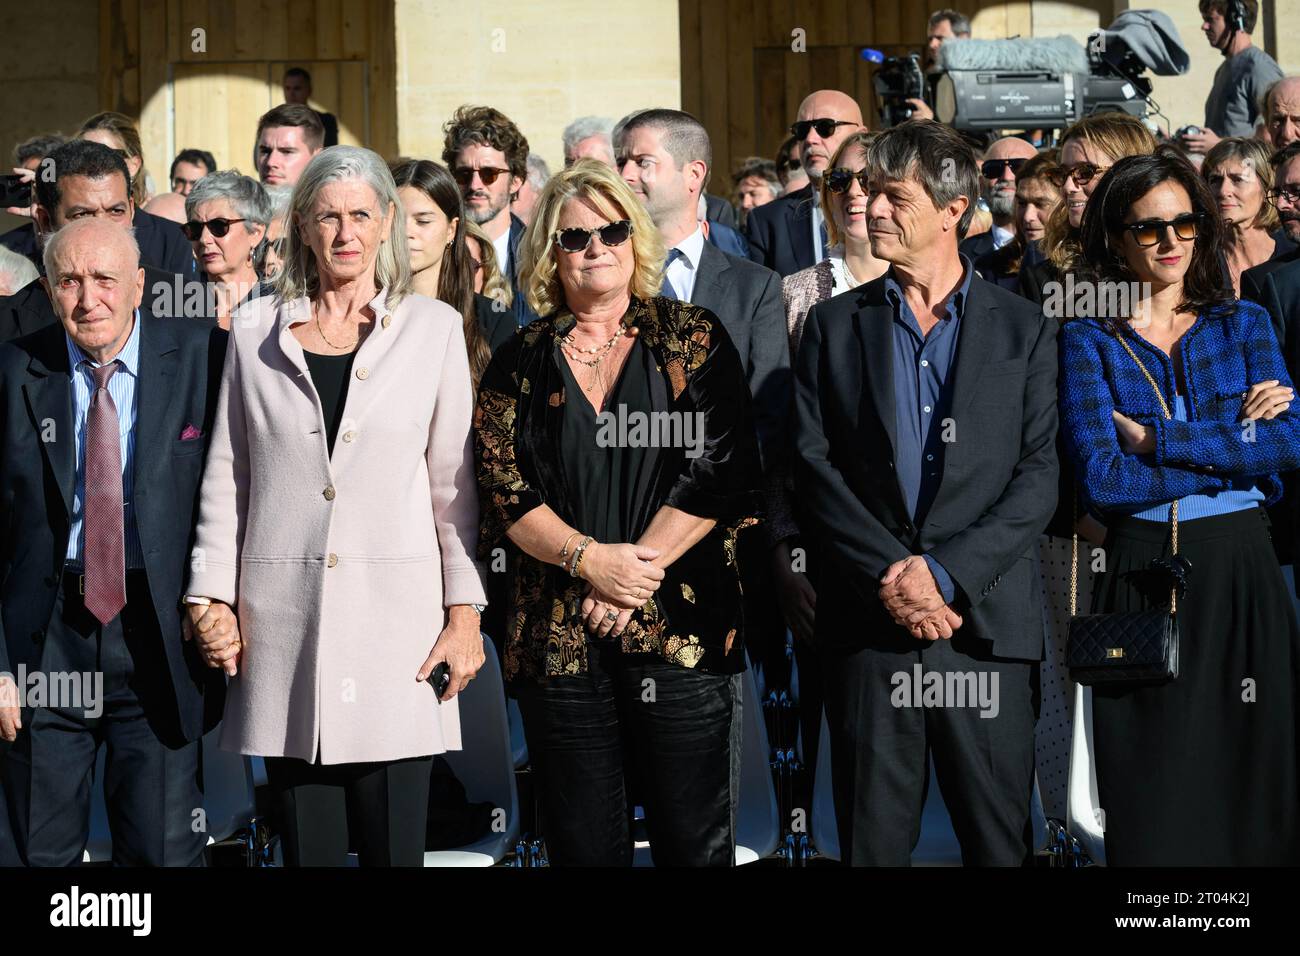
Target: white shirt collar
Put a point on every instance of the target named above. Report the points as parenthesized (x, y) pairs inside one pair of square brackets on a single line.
[(692, 247)]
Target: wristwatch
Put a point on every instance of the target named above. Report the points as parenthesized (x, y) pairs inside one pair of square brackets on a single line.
[(479, 608)]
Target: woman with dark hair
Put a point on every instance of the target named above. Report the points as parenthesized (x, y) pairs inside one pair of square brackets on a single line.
[(1175, 411), (441, 265)]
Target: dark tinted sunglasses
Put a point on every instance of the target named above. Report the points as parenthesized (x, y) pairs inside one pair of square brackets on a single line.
[(1151, 231), (992, 168), (465, 175), (218, 227), (840, 179), (1081, 173), (824, 127), (577, 240)]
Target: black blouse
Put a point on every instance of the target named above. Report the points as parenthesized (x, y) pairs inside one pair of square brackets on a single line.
[(691, 369), (330, 375)]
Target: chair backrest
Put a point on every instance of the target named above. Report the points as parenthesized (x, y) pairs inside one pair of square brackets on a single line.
[(758, 825), (1084, 819), (486, 767)]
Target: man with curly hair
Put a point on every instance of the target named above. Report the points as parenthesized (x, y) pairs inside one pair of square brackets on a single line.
[(488, 155)]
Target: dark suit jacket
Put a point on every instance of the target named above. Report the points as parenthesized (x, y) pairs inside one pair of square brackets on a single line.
[(728, 240), (180, 372), (973, 247), (497, 327), (780, 232), (1252, 280), (162, 244), (718, 209), (1000, 471), (747, 299), (30, 308), (523, 314)]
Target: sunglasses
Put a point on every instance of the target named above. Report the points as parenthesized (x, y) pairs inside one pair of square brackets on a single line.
[(992, 168), (575, 239), (465, 175), (824, 127), (1290, 193), (1151, 231), (218, 227), (1081, 173), (840, 179), (789, 165)]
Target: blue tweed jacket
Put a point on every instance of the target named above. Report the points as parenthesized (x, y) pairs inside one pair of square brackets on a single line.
[(1223, 354)]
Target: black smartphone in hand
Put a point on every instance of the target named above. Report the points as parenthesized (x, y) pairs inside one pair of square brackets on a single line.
[(440, 678)]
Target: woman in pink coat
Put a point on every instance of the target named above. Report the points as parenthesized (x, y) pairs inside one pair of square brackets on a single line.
[(339, 518)]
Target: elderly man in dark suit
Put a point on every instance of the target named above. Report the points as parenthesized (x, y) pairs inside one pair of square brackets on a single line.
[(90, 180), (103, 419), (925, 419), (1286, 197), (789, 233)]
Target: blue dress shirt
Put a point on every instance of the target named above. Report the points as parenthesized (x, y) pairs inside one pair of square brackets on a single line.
[(122, 386), (922, 400)]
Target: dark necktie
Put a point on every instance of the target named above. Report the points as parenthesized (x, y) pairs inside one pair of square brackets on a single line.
[(105, 551), (667, 288)]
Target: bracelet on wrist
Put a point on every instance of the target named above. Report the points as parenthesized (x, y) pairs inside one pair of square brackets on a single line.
[(575, 564), (564, 549)]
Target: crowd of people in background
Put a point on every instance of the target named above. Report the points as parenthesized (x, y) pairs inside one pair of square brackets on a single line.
[(331, 393)]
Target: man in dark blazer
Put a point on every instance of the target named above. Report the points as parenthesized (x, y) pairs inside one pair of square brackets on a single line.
[(103, 419), (91, 180), (163, 247), (789, 233), (998, 169), (1286, 180), (925, 418)]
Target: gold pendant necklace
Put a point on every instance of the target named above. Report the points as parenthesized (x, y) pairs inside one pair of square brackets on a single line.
[(321, 332)]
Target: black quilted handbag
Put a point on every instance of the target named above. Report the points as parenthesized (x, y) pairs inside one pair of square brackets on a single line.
[(1131, 646)]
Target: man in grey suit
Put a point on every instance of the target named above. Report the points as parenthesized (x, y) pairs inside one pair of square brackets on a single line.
[(664, 156)]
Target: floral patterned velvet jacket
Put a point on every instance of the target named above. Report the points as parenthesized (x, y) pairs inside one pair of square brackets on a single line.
[(695, 617)]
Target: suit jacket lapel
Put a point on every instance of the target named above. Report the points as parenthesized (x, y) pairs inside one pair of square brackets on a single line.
[(156, 382), (799, 223), (50, 398), (708, 292), (875, 321)]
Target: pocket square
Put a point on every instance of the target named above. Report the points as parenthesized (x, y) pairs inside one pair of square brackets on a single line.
[(191, 433)]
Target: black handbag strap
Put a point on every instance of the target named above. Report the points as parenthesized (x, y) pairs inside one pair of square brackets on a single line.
[(1173, 506)]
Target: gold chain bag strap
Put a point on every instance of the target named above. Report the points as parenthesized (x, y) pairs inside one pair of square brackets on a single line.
[(1129, 646)]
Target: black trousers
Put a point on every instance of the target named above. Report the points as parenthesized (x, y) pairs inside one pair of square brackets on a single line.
[(881, 743), (635, 720), (381, 809), (152, 778)]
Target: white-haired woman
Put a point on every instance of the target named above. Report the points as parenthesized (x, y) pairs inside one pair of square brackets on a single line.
[(623, 642), (339, 519), (226, 215)]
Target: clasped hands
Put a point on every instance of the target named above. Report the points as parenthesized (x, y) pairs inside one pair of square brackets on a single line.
[(912, 598), (215, 631), (1262, 401), (622, 579)]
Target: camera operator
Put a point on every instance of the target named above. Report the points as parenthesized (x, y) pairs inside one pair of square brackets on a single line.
[(942, 26), (1232, 108)]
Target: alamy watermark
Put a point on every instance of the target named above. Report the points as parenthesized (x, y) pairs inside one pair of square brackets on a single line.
[(621, 428), (1085, 299), (63, 690), (918, 688)]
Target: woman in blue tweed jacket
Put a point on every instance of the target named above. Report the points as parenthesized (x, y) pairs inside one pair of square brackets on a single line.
[(1201, 770)]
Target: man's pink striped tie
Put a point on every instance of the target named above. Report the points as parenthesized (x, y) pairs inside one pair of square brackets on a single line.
[(105, 552)]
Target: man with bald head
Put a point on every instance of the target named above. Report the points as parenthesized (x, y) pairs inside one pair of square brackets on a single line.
[(789, 233), (103, 424), (1282, 112), (1002, 160)]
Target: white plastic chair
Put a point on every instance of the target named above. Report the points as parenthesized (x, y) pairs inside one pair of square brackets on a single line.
[(486, 768), (229, 802), (758, 826), (1084, 819)]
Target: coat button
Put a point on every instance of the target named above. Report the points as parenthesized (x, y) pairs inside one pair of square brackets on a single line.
[(363, 373), (348, 436), (332, 560), (328, 493), (386, 321)]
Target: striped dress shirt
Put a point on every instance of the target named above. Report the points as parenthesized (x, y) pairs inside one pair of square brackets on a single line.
[(122, 386)]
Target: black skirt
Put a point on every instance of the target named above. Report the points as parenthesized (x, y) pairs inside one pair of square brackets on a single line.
[(1202, 770)]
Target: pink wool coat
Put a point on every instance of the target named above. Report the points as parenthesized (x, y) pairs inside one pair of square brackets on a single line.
[(340, 571)]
